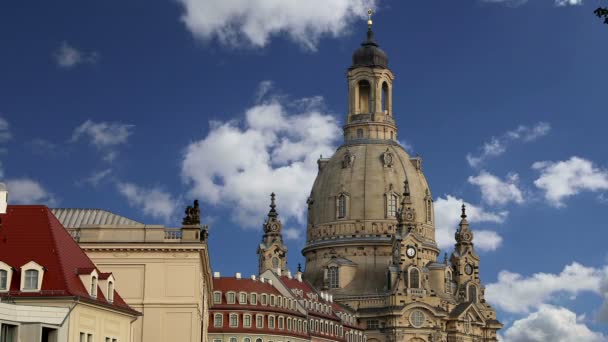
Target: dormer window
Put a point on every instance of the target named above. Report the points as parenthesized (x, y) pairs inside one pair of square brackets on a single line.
[(31, 280), (230, 297), (31, 276), (110, 291), (217, 297), (6, 273), (93, 291)]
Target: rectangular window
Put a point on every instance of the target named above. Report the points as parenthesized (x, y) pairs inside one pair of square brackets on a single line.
[(230, 297), (334, 277), (108, 339), (89, 337), (8, 333), (234, 320), (264, 299), (83, 337), (217, 321), (254, 299), (114, 340), (289, 324), (247, 321), (272, 300), (3, 279), (217, 297), (281, 321), (243, 298), (259, 321), (392, 206), (271, 322), (31, 280), (372, 324)]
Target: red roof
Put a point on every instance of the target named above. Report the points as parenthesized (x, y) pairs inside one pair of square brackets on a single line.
[(226, 284), (32, 233)]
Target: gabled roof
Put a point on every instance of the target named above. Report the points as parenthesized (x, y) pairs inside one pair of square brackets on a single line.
[(33, 233), (226, 284)]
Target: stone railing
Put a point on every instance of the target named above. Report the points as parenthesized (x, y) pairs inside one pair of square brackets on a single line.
[(173, 234), (416, 292), (140, 234)]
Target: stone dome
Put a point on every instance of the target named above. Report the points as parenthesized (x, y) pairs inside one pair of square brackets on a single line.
[(369, 54)]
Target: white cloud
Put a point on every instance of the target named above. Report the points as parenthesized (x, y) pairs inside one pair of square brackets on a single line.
[(96, 177), (497, 191), (104, 135), (292, 234), (566, 178), (238, 164), (518, 294), (28, 191), (254, 22), (568, 2), (551, 323), (68, 56), (498, 145), (154, 202), (447, 217)]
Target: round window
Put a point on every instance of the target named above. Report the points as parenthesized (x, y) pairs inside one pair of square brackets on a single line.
[(417, 318)]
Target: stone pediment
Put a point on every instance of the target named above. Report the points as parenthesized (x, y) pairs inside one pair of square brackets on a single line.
[(469, 308), (436, 311)]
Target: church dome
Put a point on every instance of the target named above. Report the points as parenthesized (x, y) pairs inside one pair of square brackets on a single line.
[(369, 54)]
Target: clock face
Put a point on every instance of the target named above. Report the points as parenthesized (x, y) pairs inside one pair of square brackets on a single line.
[(468, 269), (410, 251), (274, 227)]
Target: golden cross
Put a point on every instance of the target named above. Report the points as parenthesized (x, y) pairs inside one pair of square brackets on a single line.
[(369, 17)]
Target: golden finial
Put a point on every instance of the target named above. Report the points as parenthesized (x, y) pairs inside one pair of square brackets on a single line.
[(369, 17)]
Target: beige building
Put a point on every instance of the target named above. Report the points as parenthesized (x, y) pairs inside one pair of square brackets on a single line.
[(50, 291), (162, 272), (371, 228)]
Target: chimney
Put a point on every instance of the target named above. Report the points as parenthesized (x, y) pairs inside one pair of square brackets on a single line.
[(331, 298), (289, 274), (3, 198), (263, 280), (253, 277), (279, 271), (299, 276), (216, 274), (237, 275), (270, 281)]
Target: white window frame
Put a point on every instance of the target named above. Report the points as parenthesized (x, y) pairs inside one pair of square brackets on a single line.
[(231, 294), (253, 298), (236, 316), (241, 296), (281, 323), (245, 324), (31, 266), (257, 318), (9, 275), (221, 323), (271, 318), (215, 294)]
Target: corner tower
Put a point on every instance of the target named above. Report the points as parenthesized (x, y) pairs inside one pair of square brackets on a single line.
[(272, 252)]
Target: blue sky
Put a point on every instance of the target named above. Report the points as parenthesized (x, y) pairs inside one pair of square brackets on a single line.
[(140, 107)]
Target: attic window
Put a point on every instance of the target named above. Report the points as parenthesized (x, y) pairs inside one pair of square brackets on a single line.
[(93, 286), (3, 280), (31, 280), (110, 291)]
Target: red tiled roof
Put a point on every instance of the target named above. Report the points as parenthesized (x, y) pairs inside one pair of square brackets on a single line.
[(32, 233)]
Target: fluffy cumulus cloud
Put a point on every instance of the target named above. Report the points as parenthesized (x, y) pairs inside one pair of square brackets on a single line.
[(292, 233), (447, 217), (67, 56), (154, 202), (253, 22), (496, 191), (106, 136), (551, 323), (566, 178), (274, 149), (499, 145), (28, 191), (516, 293)]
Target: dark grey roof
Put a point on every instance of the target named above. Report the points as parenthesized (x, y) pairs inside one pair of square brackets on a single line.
[(369, 54), (459, 309)]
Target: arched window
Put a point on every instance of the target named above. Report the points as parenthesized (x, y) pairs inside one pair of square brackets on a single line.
[(93, 284), (242, 298), (281, 322), (275, 263), (264, 299), (271, 322), (342, 206), (246, 339), (364, 97), (234, 320), (217, 320), (414, 278), (429, 209), (253, 299), (217, 297), (473, 293), (333, 275), (3, 280), (258, 340), (391, 205), (385, 98), (110, 291), (247, 321)]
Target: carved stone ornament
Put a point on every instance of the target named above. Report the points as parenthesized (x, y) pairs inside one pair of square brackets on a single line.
[(409, 214), (349, 159), (193, 215), (436, 336), (387, 158)]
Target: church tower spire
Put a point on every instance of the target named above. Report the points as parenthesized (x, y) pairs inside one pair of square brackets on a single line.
[(272, 252)]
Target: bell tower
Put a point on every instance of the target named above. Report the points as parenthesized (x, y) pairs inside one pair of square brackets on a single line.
[(272, 253), (370, 88)]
